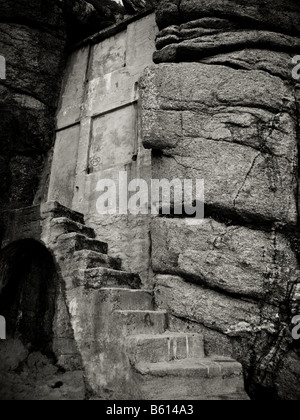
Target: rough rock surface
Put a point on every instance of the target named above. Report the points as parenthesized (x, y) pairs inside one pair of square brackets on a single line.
[(232, 118), (221, 105), (135, 6), (32, 376), (32, 41), (244, 329), (235, 260), (268, 14), (236, 129)]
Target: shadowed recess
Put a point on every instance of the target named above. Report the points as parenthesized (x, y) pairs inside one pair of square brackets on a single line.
[(28, 287)]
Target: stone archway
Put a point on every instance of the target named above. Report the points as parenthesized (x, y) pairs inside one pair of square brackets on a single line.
[(28, 290)]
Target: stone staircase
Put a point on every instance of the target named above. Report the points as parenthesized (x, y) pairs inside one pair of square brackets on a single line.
[(164, 365), (173, 366)]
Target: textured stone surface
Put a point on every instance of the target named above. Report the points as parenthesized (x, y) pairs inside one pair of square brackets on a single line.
[(192, 379), (32, 42), (248, 331), (254, 13), (77, 323), (235, 129), (135, 6), (229, 117), (164, 347), (208, 307), (184, 44), (226, 109), (100, 88), (234, 259)]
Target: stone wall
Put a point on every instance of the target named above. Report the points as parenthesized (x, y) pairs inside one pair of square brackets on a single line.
[(221, 105), (34, 36), (39, 358), (99, 134)]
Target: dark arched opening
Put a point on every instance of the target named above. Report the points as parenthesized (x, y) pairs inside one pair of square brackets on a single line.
[(28, 289)]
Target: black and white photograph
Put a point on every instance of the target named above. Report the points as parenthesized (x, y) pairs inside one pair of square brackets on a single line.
[(150, 203)]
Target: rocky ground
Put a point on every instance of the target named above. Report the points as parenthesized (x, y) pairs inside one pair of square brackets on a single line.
[(26, 375)]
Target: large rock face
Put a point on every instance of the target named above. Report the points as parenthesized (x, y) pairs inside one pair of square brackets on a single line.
[(234, 259), (32, 41), (234, 128), (221, 105)]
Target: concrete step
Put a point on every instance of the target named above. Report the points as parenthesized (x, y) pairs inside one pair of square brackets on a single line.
[(236, 396), (54, 209), (193, 379), (86, 259), (80, 242), (97, 278), (63, 225), (128, 299), (141, 322), (164, 347)]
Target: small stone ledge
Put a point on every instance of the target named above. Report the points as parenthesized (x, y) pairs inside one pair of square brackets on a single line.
[(54, 209)]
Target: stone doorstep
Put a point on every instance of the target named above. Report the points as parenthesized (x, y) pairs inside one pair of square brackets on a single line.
[(80, 242), (63, 225), (101, 277), (206, 367), (165, 347), (240, 395), (198, 378), (141, 322), (86, 259)]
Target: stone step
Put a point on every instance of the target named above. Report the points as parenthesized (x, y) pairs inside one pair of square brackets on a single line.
[(236, 396), (86, 259), (97, 278), (63, 225), (141, 322), (80, 242), (164, 347), (194, 379), (128, 299), (54, 209)]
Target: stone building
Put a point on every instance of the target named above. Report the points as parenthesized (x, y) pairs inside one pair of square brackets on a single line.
[(144, 306)]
